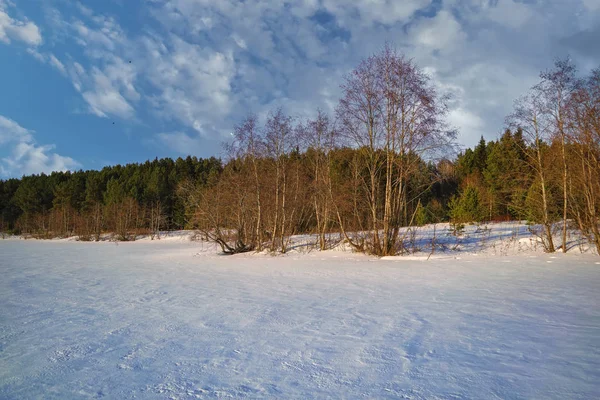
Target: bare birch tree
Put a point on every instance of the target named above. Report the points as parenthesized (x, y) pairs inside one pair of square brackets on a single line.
[(584, 120), (557, 85), (279, 143), (320, 139), (393, 114), (528, 115), (248, 146)]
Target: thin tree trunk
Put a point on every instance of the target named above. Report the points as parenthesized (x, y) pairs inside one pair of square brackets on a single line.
[(565, 194), (276, 216), (258, 238), (283, 211), (546, 219)]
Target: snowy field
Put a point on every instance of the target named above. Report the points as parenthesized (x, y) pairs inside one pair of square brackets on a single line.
[(171, 319)]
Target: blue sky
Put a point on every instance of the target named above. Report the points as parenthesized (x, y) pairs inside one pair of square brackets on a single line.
[(90, 83)]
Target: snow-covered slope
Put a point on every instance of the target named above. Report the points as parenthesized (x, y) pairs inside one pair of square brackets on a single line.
[(171, 319)]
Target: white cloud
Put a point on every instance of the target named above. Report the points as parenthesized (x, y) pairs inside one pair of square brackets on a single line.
[(239, 41), (592, 5), (103, 32), (471, 125), (108, 84), (50, 59), (441, 32), (107, 91), (56, 63), (11, 131), (484, 51), (18, 30), (28, 158), (36, 54), (376, 11), (510, 13), (108, 101), (25, 155), (192, 83), (199, 65), (181, 143), (200, 87), (84, 10)]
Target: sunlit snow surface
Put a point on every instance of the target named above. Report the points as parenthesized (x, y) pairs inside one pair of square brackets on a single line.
[(173, 320)]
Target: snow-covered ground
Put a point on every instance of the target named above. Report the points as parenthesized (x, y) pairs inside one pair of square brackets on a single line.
[(172, 319)]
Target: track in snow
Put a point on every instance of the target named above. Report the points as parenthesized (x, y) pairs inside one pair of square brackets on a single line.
[(157, 320)]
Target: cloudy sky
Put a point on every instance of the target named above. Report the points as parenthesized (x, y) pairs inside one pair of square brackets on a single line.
[(90, 83)]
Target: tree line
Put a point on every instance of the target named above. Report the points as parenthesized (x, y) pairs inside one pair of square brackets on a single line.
[(122, 200), (385, 161)]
